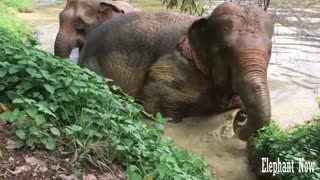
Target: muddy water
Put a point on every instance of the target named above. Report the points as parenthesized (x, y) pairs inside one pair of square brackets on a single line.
[(294, 74)]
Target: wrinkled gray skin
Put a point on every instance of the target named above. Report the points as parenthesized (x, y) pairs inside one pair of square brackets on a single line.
[(80, 17), (124, 48), (223, 57), (220, 64)]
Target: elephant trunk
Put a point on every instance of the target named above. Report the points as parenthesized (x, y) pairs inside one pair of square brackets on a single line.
[(64, 44), (250, 83)]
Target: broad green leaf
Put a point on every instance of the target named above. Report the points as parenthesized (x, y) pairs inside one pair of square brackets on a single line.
[(30, 142), (48, 143), (18, 101), (26, 85), (3, 72), (135, 176), (6, 115), (32, 112), (69, 131), (32, 72), (45, 74), (40, 119), (55, 131), (21, 134), (49, 88), (75, 128), (162, 169), (13, 70), (35, 130)]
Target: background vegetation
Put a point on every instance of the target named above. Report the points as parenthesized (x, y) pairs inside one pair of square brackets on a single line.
[(18, 30), (54, 103), (21, 5), (303, 141)]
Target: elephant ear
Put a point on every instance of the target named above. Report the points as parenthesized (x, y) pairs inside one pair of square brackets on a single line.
[(117, 6), (196, 35), (108, 9)]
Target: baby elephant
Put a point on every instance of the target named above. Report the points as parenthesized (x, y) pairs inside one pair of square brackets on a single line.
[(223, 57)]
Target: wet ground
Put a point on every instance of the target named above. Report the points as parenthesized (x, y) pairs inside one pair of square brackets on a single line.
[(294, 76)]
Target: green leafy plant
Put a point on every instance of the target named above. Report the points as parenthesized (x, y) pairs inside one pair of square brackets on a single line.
[(17, 29), (303, 141), (198, 7), (21, 5), (55, 103)]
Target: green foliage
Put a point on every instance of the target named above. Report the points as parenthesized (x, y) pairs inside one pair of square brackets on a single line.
[(149, 5), (302, 142), (190, 6), (58, 104), (18, 30), (21, 5)]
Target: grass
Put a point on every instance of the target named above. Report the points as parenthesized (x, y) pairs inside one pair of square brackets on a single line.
[(21, 5), (18, 30), (54, 103)]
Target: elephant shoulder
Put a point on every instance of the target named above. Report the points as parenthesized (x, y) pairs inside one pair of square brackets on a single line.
[(171, 66), (173, 58)]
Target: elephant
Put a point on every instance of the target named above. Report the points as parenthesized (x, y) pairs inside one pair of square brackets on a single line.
[(132, 43), (80, 17), (219, 65)]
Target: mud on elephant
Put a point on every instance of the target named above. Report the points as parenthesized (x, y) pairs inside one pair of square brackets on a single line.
[(223, 57), (80, 17)]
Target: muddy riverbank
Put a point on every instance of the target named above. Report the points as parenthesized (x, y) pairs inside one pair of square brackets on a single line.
[(293, 77)]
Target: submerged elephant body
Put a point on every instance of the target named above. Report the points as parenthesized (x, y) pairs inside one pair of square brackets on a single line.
[(80, 17), (124, 48), (220, 63), (177, 89), (227, 56)]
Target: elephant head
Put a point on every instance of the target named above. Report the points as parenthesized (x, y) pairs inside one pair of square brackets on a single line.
[(79, 17), (232, 47)]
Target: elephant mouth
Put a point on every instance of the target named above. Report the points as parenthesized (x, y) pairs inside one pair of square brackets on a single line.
[(80, 43)]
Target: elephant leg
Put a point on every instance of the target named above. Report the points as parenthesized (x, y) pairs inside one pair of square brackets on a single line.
[(154, 101)]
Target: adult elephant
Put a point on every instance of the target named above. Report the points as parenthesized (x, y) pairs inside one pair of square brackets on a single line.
[(220, 64), (79, 17), (124, 48), (223, 57)]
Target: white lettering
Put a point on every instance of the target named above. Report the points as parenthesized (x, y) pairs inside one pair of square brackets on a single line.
[(263, 168), (306, 166)]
